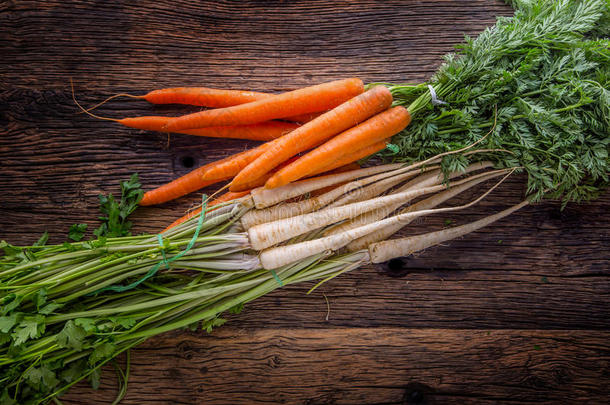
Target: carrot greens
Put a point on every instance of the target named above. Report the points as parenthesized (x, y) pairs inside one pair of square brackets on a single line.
[(541, 80)]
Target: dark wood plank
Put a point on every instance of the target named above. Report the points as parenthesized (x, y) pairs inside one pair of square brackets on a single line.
[(252, 44), (367, 366)]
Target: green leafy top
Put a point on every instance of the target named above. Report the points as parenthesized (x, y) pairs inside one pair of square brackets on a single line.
[(542, 76), (114, 220)]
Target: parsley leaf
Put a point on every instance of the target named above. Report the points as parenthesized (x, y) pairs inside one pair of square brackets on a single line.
[(95, 377), (7, 322), (71, 336), (41, 378), (10, 302), (88, 324), (43, 239), (114, 223), (77, 232), (31, 327), (74, 371), (40, 297), (101, 352)]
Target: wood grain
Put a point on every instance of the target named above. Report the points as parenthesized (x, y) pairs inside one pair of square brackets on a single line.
[(455, 324), (372, 366)]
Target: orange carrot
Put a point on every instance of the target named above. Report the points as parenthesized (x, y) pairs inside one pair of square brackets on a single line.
[(205, 97), (302, 101), (260, 181), (316, 131), (373, 130), (226, 197), (264, 131), (303, 118), (225, 169), (336, 170), (353, 157), (188, 183), (215, 98), (202, 96)]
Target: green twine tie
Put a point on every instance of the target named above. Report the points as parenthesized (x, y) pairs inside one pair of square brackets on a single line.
[(277, 278), (166, 261)]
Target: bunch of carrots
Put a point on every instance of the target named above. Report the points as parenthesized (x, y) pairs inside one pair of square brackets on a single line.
[(309, 131)]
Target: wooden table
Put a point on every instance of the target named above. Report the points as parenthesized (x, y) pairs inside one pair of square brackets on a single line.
[(515, 313)]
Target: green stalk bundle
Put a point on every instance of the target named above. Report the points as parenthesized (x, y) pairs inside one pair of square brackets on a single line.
[(61, 322)]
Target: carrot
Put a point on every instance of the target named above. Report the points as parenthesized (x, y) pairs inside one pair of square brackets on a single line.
[(205, 97), (188, 183), (353, 156), (371, 131), (202, 96), (318, 130), (215, 98), (302, 101), (226, 197), (260, 181), (303, 118), (229, 168), (263, 131)]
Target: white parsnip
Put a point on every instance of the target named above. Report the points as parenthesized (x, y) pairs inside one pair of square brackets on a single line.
[(383, 212), (281, 211), (437, 177), (264, 198), (389, 249), (282, 255), (268, 234), (430, 202), (377, 188)]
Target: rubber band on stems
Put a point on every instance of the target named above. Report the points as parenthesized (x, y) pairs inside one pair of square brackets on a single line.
[(166, 261), (434, 99)]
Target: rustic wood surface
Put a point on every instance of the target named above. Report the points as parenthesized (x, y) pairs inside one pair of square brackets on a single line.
[(515, 313)]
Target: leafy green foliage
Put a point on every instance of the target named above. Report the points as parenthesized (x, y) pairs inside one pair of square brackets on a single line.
[(42, 240), (41, 378), (208, 326), (77, 232), (542, 78), (40, 297), (30, 327), (115, 213), (102, 352), (7, 322), (71, 336)]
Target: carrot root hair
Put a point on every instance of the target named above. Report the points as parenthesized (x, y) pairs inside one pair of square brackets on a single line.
[(83, 110), (112, 98)]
